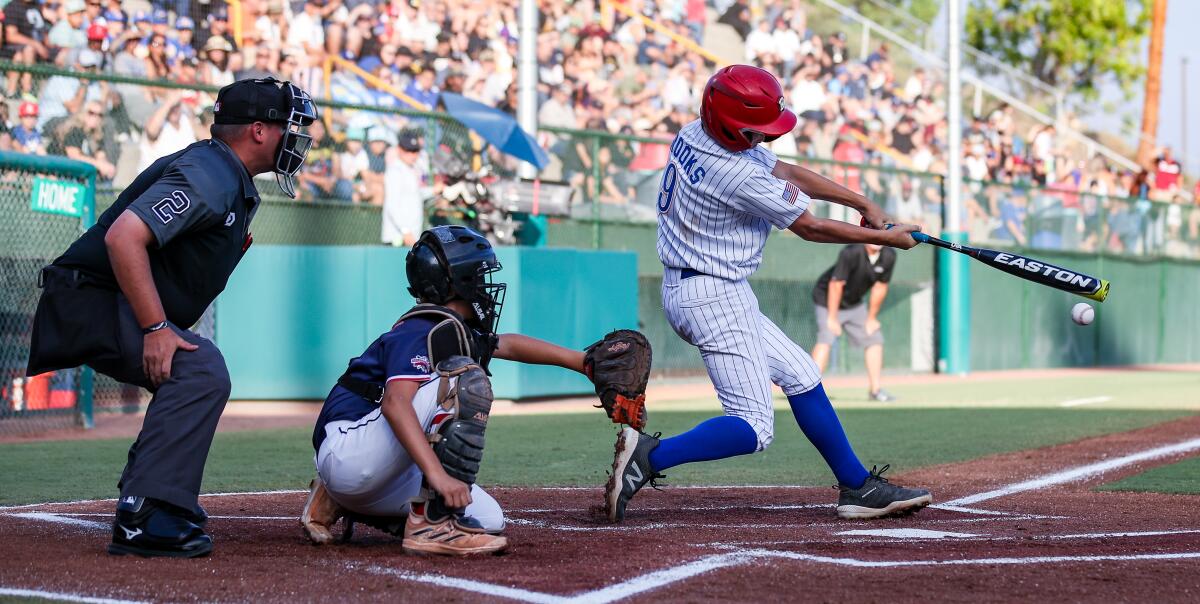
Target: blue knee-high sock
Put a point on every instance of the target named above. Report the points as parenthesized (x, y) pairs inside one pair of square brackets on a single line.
[(714, 438), (820, 424)]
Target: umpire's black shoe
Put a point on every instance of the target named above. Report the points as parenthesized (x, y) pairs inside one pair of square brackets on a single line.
[(151, 528), (631, 471), (878, 498)]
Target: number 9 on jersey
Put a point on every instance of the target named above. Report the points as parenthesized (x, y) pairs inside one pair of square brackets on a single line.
[(666, 190)]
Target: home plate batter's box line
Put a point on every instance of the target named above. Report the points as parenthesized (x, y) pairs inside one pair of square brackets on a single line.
[(666, 577)]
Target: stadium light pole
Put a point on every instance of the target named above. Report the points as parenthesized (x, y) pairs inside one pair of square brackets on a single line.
[(954, 285), (527, 101)]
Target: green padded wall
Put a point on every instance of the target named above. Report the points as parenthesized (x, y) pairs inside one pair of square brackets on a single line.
[(293, 316)]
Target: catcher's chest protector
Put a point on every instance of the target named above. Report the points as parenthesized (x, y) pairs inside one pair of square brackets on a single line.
[(450, 335)]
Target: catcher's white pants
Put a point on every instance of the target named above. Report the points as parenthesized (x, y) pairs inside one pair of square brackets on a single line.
[(743, 350), (367, 470)]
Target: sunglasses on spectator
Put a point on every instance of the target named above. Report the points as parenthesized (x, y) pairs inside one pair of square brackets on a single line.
[(95, 114)]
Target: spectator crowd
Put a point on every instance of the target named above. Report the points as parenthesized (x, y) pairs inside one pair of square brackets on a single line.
[(608, 72)]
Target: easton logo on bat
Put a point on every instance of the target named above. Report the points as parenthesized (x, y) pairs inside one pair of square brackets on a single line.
[(1044, 269)]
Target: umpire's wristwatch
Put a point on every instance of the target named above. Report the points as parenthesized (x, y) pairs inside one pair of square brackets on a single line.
[(154, 328)]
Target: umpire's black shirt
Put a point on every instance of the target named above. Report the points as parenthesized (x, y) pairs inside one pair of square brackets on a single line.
[(855, 268), (198, 202)]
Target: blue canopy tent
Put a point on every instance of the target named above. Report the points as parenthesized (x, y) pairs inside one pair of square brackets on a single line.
[(498, 128)]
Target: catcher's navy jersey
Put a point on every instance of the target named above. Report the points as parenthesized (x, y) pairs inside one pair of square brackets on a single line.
[(716, 207), (399, 354)]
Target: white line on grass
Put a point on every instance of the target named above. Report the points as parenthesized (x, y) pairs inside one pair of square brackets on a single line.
[(54, 595), (1079, 472), (47, 517), (1075, 402)]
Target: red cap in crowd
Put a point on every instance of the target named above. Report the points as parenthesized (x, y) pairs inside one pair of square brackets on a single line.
[(27, 109), (96, 32)]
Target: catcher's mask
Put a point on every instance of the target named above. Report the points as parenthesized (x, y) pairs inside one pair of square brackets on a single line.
[(455, 262), (272, 101)]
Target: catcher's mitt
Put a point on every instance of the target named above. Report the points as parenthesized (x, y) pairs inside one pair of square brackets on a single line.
[(619, 366)]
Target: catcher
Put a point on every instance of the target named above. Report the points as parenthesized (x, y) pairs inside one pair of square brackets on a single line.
[(401, 436)]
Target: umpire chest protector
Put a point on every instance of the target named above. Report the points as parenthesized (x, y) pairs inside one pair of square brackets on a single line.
[(449, 337)]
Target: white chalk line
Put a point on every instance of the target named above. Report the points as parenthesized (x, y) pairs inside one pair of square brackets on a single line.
[(668, 576), (734, 545), (640, 584), (1076, 402), (55, 518), (633, 528), (1079, 472), (219, 517), (965, 510), (761, 553), (5, 508), (25, 506), (64, 597), (696, 508)]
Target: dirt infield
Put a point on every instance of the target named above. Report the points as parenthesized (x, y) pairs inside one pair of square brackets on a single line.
[(1015, 526)]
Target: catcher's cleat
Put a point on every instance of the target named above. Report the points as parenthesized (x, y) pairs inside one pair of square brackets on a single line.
[(878, 498), (150, 528), (631, 471), (320, 513), (454, 535)]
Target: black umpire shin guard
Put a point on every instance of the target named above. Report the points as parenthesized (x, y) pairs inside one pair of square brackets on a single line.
[(458, 443)]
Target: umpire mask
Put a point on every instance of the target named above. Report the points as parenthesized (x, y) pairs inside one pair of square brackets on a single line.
[(274, 102), (295, 144)]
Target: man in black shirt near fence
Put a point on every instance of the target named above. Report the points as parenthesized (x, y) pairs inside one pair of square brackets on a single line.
[(838, 295)]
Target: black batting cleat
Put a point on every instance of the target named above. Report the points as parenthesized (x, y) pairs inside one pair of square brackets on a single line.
[(631, 471), (151, 528), (878, 498)]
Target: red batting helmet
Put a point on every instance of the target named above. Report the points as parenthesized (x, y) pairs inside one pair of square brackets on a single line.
[(740, 99)]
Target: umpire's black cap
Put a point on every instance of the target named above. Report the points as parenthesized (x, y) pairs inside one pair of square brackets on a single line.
[(253, 100)]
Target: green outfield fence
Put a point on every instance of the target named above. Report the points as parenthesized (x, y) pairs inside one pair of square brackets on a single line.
[(1148, 249)]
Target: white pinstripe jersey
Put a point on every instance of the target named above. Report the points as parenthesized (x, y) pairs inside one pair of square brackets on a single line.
[(716, 207)]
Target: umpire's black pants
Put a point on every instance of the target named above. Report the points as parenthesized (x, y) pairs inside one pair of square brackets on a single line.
[(79, 323)]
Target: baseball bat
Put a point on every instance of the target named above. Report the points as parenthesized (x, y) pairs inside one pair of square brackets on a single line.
[(1029, 269)]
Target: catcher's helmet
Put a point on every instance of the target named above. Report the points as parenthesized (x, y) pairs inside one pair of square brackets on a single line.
[(454, 262), (740, 99)]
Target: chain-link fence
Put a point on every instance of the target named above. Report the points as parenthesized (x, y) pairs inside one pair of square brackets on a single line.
[(46, 203)]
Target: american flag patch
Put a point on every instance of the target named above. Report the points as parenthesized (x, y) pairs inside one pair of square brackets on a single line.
[(790, 192)]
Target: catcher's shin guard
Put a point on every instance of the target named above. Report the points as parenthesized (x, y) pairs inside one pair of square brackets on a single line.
[(466, 394)]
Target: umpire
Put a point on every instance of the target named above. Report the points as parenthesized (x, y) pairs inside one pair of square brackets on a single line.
[(121, 298), (838, 296)]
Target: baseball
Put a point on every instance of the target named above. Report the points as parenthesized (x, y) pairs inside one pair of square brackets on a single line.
[(1083, 313)]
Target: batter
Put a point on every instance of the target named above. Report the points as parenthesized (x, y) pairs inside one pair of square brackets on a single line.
[(720, 196)]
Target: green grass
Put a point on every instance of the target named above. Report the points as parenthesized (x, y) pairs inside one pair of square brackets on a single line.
[(1181, 478), (576, 449)]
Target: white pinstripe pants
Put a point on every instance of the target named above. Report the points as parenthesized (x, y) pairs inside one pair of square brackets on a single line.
[(743, 350)]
